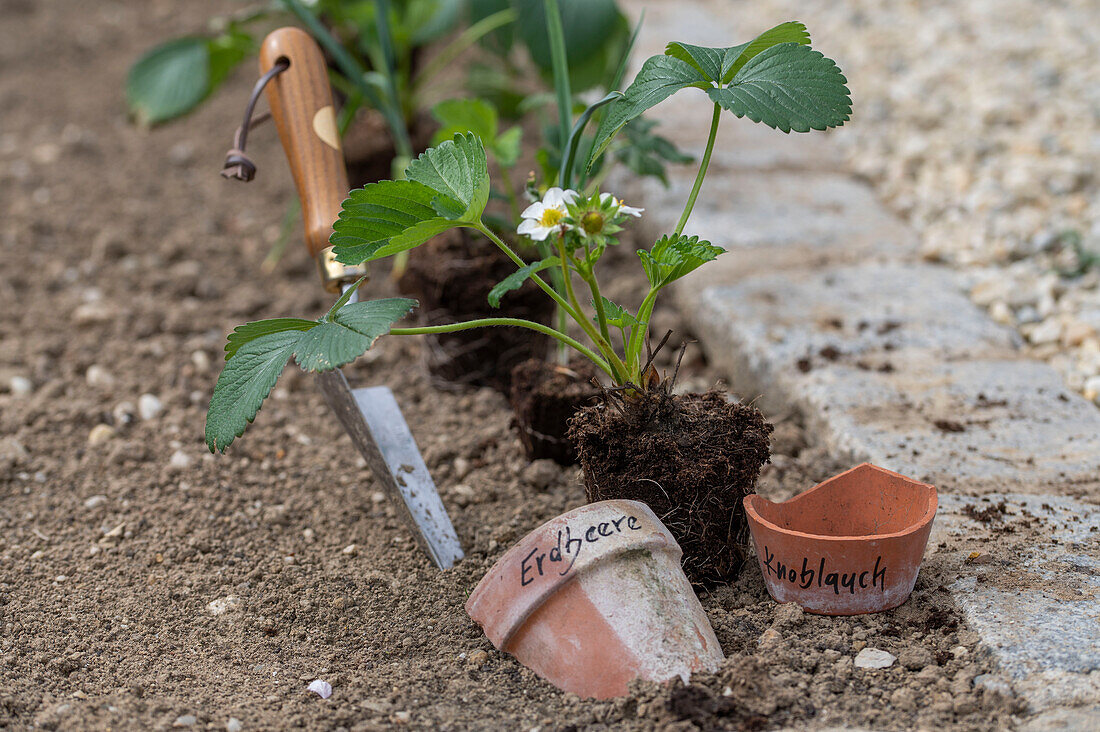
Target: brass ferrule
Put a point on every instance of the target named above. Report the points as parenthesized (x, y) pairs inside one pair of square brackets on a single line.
[(335, 275)]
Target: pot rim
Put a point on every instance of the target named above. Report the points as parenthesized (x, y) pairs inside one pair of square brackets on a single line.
[(925, 518), (516, 607)]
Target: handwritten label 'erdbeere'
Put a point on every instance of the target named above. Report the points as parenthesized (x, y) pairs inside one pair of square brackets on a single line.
[(539, 561)]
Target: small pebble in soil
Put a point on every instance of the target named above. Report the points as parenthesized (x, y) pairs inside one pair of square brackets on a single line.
[(770, 637), (124, 412), (185, 720), (223, 605), (179, 460), (98, 377), (351, 550), (402, 717), (874, 658), (100, 433), (233, 725), (95, 501), (20, 386), (201, 361), (540, 474), (149, 407), (477, 658), (378, 497), (915, 659), (321, 688)]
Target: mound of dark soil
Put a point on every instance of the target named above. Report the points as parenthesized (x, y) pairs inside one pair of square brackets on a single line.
[(451, 276), (691, 457), (544, 397)]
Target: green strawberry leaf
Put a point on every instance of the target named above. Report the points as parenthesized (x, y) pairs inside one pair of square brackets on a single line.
[(515, 280), (788, 87), (738, 56), (244, 383), (616, 315), (382, 219), (350, 333), (674, 256), (249, 332), (259, 351), (659, 78), (457, 171)]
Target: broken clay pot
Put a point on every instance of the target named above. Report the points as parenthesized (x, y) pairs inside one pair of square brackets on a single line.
[(594, 599), (850, 545)]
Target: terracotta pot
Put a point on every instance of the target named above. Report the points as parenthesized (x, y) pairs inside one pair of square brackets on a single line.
[(850, 545), (595, 598)]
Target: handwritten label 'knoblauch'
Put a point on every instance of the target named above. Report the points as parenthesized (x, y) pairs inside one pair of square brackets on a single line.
[(569, 546), (808, 574)]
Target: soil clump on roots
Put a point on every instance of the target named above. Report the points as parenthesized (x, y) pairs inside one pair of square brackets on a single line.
[(690, 457)]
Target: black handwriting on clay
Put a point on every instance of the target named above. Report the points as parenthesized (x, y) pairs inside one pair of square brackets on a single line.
[(806, 575), (538, 562)]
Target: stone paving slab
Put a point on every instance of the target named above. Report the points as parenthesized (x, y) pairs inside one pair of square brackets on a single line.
[(1035, 603), (822, 304)]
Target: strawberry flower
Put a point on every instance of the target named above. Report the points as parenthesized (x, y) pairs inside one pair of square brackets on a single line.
[(546, 217)]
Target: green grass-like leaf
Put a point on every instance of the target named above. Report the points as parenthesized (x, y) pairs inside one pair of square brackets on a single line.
[(788, 87), (257, 353), (673, 257)]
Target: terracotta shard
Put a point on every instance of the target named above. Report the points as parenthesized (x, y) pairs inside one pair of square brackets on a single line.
[(594, 599), (850, 545)]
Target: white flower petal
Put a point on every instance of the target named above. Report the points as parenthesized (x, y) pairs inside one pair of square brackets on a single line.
[(534, 211), (553, 197), (631, 211), (569, 195), (527, 226), (539, 233), (605, 196)]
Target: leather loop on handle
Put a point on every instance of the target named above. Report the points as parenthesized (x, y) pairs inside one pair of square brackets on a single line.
[(304, 113)]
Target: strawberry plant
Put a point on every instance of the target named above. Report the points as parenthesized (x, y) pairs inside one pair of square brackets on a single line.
[(775, 79)]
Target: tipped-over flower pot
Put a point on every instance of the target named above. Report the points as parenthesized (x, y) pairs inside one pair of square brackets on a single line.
[(850, 545), (595, 598)]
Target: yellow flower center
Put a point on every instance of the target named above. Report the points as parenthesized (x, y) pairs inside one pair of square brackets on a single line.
[(551, 217)]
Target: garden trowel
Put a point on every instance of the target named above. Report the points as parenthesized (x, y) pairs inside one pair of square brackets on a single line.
[(302, 108)]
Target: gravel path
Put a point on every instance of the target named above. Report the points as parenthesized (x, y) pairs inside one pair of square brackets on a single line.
[(979, 123)]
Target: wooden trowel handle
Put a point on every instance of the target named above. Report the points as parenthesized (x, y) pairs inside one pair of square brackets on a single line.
[(302, 107)]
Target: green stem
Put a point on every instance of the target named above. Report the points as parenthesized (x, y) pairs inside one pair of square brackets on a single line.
[(639, 332), (604, 344), (455, 48), (703, 165), (597, 301), (560, 64), (516, 322), (518, 260)]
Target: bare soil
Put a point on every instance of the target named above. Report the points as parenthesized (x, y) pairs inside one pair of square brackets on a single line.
[(126, 259)]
